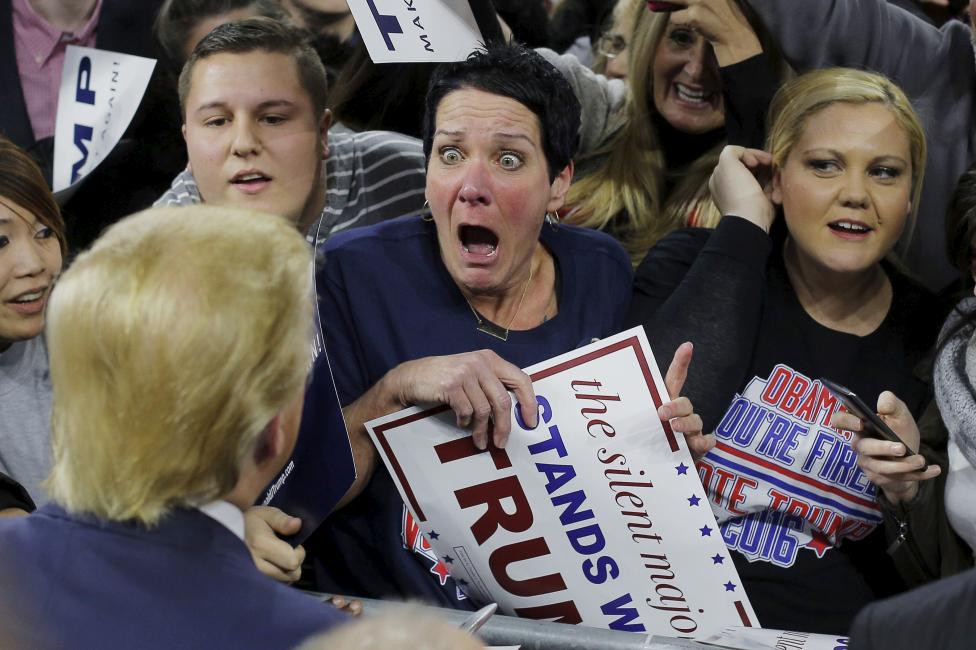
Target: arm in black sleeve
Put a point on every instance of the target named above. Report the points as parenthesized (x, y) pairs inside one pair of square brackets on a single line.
[(13, 495), (748, 87), (707, 289)]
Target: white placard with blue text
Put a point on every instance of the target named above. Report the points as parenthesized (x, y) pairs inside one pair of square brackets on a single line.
[(740, 638), (416, 30), (100, 92), (595, 517)]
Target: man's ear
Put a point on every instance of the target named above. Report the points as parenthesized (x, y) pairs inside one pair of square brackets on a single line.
[(776, 195), (271, 442), (559, 188), (183, 131), (324, 125)]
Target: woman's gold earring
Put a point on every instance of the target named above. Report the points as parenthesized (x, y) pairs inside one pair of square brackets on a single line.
[(552, 218)]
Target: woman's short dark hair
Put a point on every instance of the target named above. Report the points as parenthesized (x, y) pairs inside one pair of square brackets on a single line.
[(177, 19), (518, 73), (22, 182), (267, 35)]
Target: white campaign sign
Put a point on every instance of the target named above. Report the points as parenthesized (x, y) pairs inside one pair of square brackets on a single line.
[(597, 516), (738, 638), (416, 30), (100, 92)]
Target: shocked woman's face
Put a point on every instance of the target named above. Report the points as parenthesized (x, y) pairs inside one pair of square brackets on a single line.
[(686, 82), (30, 261), (488, 188)]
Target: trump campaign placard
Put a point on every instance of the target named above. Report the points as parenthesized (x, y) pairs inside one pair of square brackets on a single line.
[(416, 30), (321, 468), (739, 638), (596, 516), (100, 92)]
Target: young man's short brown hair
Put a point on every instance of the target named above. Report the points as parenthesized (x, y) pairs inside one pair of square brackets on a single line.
[(267, 35)]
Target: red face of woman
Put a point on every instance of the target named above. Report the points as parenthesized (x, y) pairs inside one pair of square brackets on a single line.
[(846, 187), (488, 188), (30, 261)]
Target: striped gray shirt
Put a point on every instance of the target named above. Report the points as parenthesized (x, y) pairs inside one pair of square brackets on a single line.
[(370, 177)]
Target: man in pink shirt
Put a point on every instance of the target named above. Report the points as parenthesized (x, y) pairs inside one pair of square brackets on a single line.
[(43, 29), (34, 35)]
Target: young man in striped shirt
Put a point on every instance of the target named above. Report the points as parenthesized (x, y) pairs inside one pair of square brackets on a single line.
[(258, 135)]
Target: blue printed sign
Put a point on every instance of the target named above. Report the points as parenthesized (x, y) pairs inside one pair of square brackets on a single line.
[(596, 516), (99, 95)]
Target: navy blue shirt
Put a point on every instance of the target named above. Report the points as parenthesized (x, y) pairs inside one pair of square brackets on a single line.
[(387, 298)]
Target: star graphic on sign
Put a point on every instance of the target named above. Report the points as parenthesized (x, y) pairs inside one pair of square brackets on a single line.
[(706, 531), (434, 534), (448, 559), (682, 469), (729, 586), (693, 500), (718, 559)]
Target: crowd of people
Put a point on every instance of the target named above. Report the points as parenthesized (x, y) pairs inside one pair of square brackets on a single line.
[(779, 191)]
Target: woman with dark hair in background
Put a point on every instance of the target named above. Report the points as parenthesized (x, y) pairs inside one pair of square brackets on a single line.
[(32, 247)]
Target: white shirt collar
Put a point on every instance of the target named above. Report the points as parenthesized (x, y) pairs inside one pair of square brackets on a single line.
[(227, 514)]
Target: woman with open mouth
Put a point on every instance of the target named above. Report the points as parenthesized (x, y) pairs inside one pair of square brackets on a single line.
[(32, 246), (447, 307), (777, 304)]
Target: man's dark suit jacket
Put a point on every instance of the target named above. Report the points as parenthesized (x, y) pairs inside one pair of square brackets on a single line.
[(938, 615), (79, 582)]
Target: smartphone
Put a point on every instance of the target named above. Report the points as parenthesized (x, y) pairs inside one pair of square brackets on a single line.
[(874, 426), (663, 6)]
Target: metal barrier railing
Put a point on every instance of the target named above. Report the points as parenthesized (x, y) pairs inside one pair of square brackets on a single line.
[(503, 630)]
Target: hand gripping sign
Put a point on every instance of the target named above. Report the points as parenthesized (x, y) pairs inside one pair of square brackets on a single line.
[(596, 516), (100, 92)]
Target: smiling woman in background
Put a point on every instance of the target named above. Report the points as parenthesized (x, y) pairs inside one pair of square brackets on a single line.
[(649, 145), (32, 246)]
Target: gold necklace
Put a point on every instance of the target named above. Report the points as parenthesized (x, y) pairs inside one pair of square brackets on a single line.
[(489, 328)]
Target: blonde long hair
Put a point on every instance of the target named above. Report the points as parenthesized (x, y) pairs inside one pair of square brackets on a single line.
[(624, 193), (174, 342)]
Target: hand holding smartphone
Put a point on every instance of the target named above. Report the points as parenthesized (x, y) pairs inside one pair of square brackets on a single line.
[(874, 426), (663, 6)]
